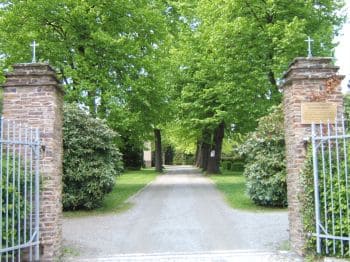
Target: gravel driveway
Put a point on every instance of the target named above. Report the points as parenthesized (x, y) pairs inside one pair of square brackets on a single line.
[(181, 211)]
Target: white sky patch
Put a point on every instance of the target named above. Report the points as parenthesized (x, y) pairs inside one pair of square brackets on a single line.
[(342, 51)]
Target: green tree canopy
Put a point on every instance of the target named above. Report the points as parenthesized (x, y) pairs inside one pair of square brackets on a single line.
[(107, 53), (231, 59), (209, 65)]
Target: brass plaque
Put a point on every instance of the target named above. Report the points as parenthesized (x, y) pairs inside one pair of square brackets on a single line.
[(316, 112)]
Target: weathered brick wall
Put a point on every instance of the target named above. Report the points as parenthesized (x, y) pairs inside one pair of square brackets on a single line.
[(305, 81), (33, 96)]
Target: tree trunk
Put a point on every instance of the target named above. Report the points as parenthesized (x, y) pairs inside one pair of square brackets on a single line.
[(205, 149), (215, 154), (158, 150), (205, 156), (198, 154)]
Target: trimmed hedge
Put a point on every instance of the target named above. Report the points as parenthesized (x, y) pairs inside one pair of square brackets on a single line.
[(232, 164), (91, 159)]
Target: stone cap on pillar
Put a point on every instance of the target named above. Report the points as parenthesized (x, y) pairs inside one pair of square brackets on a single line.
[(32, 74), (310, 68)]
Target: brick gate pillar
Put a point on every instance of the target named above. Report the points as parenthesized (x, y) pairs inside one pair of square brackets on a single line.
[(32, 95), (307, 80)]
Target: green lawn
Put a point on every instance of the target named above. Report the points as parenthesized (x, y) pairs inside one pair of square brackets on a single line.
[(232, 185), (128, 184)]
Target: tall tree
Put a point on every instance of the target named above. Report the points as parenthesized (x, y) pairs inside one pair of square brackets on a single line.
[(232, 58), (107, 53), (127, 61)]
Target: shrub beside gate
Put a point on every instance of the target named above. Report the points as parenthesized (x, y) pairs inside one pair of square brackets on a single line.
[(91, 159), (265, 168)]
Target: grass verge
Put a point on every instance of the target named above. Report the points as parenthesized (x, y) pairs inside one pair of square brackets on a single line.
[(128, 184), (232, 185)]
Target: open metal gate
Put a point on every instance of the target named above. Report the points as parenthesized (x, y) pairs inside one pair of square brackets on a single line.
[(19, 192), (330, 146)]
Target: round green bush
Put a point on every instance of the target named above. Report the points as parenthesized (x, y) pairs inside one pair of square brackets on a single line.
[(91, 159), (265, 169)]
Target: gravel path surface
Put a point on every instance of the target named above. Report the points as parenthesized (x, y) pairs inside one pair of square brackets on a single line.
[(181, 211)]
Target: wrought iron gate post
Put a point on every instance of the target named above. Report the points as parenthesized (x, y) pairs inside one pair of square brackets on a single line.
[(37, 194), (316, 192)]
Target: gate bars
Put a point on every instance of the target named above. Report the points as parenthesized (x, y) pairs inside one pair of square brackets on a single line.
[(19, 192), (330, 146)]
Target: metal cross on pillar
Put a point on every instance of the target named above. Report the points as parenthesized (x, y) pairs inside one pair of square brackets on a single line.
[(34, 45), (309, 41)]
